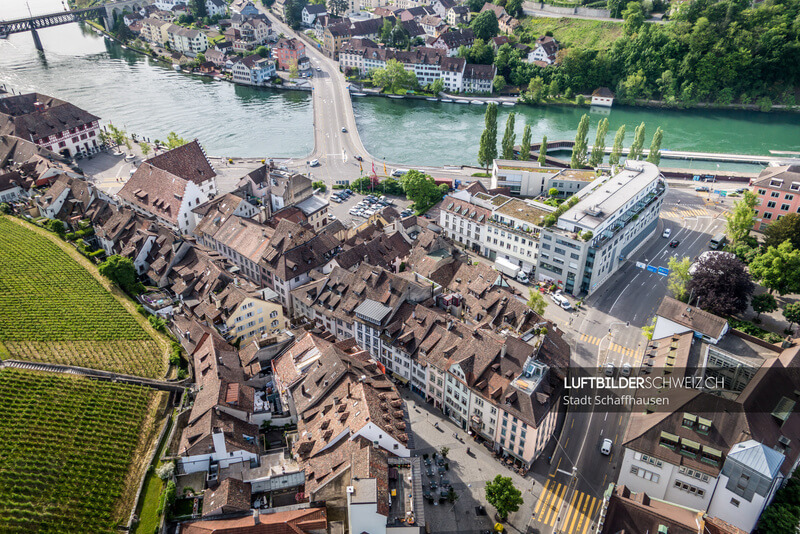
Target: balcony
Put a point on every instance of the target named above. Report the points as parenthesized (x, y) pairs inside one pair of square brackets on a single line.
[(630, 216), (529, 233)]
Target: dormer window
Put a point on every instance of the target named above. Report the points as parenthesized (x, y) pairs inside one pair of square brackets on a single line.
[(703, 425), (689, 420), (689, 448)]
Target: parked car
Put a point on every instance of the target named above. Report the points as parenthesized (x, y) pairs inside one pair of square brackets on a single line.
[(609, 369), (313, 162), (701, 189), (674, 243), (353, 211), (626, 369), (337, 200), (605, 447), (561, 300), (398, 172), (344, 130), (667, 232)]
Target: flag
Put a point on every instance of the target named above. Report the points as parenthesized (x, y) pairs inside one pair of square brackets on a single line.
[(361, 167), (373, 167), (384, 169)]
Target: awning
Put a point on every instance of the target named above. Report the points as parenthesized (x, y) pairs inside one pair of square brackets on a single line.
[(689, 417), (669, 437), (712, 452), (400, 378), (690, 444)]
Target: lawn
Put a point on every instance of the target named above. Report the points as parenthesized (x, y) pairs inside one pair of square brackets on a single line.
[(52, 309), (592, 34), (72, 451)]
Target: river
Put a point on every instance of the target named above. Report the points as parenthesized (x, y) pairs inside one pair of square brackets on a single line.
[(141, 96)]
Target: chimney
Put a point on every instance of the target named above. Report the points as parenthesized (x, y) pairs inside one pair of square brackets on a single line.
[(503, 351), (335, 401), (348, 390), (256, 516)]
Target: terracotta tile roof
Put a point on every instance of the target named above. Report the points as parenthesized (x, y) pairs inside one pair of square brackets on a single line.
[(779, 178), (466, 210), (692, 317), (188, 162), (382, 251), (232, 495), (248, 238), (294, 250), (479, 72), (291, 365), (636, 512), (603, 92), (305, 521), (19, 116), (155, 191), (196, 438), (499, 11)]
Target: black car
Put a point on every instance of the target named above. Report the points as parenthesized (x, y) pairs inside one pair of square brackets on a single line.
[(674, 243), (359, 158)]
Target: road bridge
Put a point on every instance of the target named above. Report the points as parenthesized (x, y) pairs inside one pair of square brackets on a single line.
[(106, 11)]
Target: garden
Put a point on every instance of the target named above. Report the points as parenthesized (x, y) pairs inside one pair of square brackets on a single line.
[(69, 450), (53, 310)]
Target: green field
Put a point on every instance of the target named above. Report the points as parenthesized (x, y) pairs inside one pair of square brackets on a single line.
[(53, 310), (72, 451), (591, 34)]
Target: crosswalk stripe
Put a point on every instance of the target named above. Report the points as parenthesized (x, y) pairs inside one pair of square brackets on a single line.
[(589, 516), (583, 514), (550, 494), (576, 513), (555, 506), (570, 508), (541, 498)]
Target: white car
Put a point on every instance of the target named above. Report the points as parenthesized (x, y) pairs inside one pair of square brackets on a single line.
[(314, 162), (667, 232), (331, 216), (353, 211), (609, 369), (605, 447), (561, 300), (399, 172), (626, 369)]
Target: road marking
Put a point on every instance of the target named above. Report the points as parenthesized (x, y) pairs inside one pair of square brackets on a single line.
[(589, 516), (564, 472), (577, 511), (570, 508), (551, 515), (547, 501), (541, 499)]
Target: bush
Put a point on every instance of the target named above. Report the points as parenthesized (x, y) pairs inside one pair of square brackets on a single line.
[(5, 208), (157, 322), (580, 100), (166, 471), (319, 185)]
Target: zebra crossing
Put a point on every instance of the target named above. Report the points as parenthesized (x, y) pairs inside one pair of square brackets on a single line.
[(684, 213), (575, 518), (625, 351)]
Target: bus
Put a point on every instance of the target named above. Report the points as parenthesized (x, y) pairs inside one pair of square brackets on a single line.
[(718, 241)]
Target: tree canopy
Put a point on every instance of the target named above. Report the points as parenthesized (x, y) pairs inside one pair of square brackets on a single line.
[(536, 302), (421, 189), (778, 268), (740, 220), (485, 25), (785, 228), (122, 272), (394, 77), (502, 494), (679, 277), (721, 284)]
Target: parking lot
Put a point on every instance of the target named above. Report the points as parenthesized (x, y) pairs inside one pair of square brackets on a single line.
[(342, 210)]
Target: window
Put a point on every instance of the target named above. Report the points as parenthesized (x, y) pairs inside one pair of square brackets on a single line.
[(743, 481), (788, 197), (775, 194), (273, 314), (771, 204), (735, 502), (767, 215), (645, 474), (785, 207)]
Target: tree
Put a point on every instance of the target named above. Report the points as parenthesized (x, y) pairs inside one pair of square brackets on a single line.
[(514, 7), (485, 25), (525, 145), (487, 152), (475, 5), (5, 208), (581, 144), (199, 8), (502, 494), (509, 137), (121, 271), (655, 147), (421, 189), (262, 51), (444, 451), (779, 518), (536, 89), (536, 302), (599, 148), (778, 269), (56, 226), (555, 89), (634, 17), (116, 135), (294, 10), (499, 83), (174, 141), (437, 86), (787, 227), (616, 150), (721, 284), (145, 148), (201, 58), (740, 220), (394, 76), (763, 303), (386, 31), (543, 151), (679, 277), (552, 192), (294, 72), (638, 143), (647, 330), (792, 313)]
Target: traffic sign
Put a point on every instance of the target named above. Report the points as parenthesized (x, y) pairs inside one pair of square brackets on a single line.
[(652, 269), (663, 271)]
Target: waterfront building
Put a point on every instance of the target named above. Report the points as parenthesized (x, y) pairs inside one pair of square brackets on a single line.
[(288, 52), (253, 70), (602, 96), (778, 192), (188, 41), (529, 179), (613, 216), (478, 78), (50, 123)]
